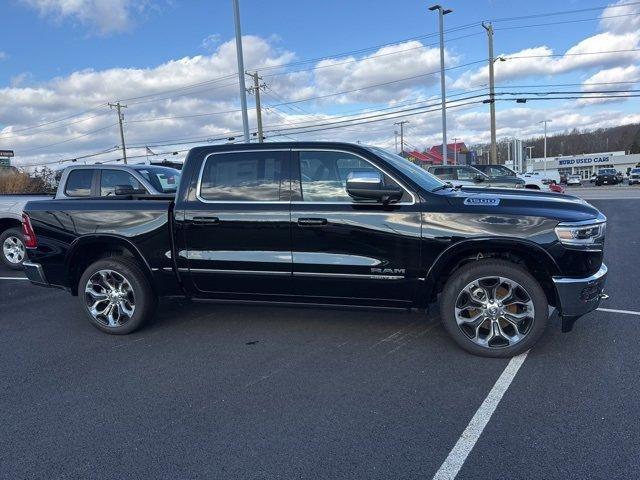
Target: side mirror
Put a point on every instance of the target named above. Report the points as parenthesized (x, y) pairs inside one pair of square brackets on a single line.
[(478, 179), (128, 190), (369, 186), (124, 190)]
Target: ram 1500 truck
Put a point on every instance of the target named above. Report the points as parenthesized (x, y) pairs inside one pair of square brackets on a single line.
[(80, 181), (327, 223)]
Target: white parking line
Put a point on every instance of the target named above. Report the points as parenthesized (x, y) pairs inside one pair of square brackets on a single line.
[(13, 278), (612, 310), (456, 458)]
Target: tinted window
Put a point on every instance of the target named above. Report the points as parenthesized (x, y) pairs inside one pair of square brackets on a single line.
[(324, 175), (110, 179), (163, 179), (242, 176), (79, 183)]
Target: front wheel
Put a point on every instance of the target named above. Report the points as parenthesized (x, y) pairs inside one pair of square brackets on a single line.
[(13, 252), (116, 295), (494, 308)]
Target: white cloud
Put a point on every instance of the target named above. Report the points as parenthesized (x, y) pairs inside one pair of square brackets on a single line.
[(610, 79), (621, 17), (106, 15), (26, 103), (210, 42), (619, 32), (389, 63), (3, 55)]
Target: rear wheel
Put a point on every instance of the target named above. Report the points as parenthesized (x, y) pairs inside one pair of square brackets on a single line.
[(13, 252), (116, 295), (494, 308)]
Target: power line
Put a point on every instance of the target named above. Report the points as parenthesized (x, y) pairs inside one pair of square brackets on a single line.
[(86, 134), (562, 12), (565, 22)]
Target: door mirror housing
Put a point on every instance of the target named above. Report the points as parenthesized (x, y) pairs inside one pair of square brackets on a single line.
[(479, 178), (369, 185), (128, 190)]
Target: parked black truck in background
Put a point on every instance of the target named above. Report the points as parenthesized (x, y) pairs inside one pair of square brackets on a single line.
[(327, 223)]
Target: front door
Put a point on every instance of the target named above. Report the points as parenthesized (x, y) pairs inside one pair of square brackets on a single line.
[(236, 229), (346, 251)]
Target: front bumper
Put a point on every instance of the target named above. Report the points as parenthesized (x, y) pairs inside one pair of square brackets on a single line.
[(35, 274), (578, 296)]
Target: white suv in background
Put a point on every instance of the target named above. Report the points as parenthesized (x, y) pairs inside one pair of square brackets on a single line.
[(634, 176)]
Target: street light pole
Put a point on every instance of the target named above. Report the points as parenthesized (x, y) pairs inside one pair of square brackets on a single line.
[(545, 144), (243, 88), (441, 13)]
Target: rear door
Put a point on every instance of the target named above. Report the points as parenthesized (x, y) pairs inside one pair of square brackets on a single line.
[(346, 251), (236, 229)]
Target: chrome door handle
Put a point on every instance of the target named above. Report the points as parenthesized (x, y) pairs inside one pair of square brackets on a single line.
[(312, 222), (205, 219)]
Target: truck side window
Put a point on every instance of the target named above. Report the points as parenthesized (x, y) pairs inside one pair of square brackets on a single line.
[(323, 175), (79, 183), (242, 177), (110, 179)]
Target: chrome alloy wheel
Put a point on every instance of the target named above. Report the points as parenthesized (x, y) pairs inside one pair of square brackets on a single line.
[(13, 249), (494, 312), (109, 298)]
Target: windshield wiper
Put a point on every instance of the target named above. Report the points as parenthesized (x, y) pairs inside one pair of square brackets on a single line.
[(442, 187)]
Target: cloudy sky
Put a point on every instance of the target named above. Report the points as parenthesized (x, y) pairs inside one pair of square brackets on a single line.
[(325, 65)]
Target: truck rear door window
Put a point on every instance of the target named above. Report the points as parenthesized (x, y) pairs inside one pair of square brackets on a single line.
[(242, 177), (79, 183)]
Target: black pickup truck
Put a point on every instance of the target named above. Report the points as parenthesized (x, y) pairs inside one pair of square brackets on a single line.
[(327, 223)]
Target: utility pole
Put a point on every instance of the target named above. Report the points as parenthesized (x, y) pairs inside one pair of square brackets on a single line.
[(256, 89), (396, 137), (509, 151), (243, 90), (441, 13), (455, 150), (545, 143), (119, 106), (401, 134), (493, 157)]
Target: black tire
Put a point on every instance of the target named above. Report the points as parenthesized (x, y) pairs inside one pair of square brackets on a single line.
[(140, 294), (598, 184), (12, 235), (489, 268)]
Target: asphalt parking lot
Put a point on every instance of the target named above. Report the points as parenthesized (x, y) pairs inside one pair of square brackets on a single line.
[(221, 391)]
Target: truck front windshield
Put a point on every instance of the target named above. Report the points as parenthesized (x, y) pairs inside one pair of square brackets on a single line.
[(416, 173)]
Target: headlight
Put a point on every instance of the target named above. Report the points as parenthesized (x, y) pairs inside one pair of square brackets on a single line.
[(581, 234)]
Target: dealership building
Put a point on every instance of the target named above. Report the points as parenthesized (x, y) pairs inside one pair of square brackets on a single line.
[(584, 165)]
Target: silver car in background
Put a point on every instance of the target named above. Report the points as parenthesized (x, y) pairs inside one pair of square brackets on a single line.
[(467, 176)]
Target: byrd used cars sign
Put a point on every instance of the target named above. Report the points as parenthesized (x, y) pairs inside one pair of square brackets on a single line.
[(585, 160)]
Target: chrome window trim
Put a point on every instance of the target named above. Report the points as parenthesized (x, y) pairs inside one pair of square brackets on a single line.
[(337, 150), (367, 276), (244, 202)]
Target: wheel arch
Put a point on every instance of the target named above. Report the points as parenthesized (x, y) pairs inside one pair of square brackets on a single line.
[(91, 248), (531, 256), (9, 222)]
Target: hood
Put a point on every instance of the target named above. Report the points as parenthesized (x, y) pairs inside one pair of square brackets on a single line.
[(560, 207)]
